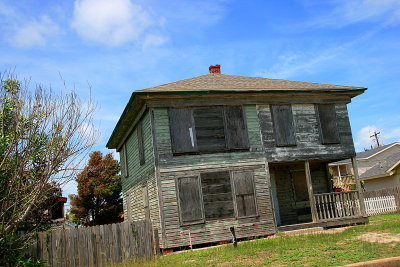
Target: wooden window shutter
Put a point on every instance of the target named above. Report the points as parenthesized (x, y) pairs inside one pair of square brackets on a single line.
[(182, 130), (283, 125), (236, 136), (243, 182), (141, 143), (190, 199), (125, 160), (327, 124)]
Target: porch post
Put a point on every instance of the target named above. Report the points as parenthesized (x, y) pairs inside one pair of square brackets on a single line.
[(310, 191), (358, 186)]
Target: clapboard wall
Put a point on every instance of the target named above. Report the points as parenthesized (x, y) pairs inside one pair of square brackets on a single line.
[(308, 142), (166, 160), (138, 173), (176, 235)]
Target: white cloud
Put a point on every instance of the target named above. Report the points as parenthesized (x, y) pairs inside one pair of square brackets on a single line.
[(34, 33), (110, 22), (153, 40), (353, 11), (364, 136), (385, 136)]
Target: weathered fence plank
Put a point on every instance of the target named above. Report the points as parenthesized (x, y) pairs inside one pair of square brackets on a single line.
[(96, 246)]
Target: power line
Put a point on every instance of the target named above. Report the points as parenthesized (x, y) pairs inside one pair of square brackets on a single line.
[(375, 136)]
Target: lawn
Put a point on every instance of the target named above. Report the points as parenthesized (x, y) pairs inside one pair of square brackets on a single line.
[(355, 244)]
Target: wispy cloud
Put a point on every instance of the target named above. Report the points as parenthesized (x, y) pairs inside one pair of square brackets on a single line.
[(35, 32), (347, 12), (110, 22)]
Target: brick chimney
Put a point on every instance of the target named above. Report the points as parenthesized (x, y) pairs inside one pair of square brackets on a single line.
[(215, 69)]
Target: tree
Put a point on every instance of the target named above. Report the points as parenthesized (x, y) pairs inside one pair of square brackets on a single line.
[(99, 191), (43, 138)]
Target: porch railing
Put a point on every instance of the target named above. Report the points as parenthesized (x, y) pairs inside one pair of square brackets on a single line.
[(337, 205)]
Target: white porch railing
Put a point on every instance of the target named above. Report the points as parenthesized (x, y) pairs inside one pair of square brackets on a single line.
[(337, 205)]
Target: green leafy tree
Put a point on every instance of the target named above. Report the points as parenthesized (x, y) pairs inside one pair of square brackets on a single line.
[(99, 191), (43, 137)]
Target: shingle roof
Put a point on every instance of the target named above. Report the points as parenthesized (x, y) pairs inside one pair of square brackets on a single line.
[(364, 154), (382, 166), (234, 82)]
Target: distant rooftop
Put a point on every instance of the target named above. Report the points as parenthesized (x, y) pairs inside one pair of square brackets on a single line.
[(366, 154), (383, 166)]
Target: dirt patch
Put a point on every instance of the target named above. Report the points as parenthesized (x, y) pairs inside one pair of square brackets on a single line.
[(379, 237)]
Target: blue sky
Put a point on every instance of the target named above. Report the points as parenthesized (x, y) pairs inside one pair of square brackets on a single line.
[(118, 46)]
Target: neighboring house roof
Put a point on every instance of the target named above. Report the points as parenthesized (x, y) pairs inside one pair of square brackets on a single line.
[(227, 82), (365, 155), (382, 168), (213, 83)]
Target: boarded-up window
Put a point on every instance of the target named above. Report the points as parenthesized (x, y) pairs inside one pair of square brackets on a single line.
[(283, 125), (209, 129), (217, 195), (183, 135), (327, 124), (140, 143), (146, 206), (125, 160), (235, 128), (190, 200), (243, 182)]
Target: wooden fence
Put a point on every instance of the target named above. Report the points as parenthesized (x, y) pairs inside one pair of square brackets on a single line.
[(382, 201), (97, 245)]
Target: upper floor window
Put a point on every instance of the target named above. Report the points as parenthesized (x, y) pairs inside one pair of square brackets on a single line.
[(140, 140), (284, 130), (326, 114), (124, 157), (208, 129)]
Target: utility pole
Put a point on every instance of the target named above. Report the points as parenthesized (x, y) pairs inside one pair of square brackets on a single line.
[(375, 135)]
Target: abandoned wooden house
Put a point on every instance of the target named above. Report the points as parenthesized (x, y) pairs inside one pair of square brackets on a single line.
[(216, 151)]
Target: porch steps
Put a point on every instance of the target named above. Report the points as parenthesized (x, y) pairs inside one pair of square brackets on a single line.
[(313, 230), (300, 226)]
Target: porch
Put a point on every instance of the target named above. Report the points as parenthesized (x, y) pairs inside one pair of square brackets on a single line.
[(303, 196)]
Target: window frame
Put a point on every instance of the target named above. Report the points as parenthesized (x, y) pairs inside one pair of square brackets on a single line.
[(257, 214), (202, 220)]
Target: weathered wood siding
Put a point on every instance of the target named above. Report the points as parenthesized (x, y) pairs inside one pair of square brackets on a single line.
[(308, 141), (137, 205), (139, 173), (168, 161), (214, 230), (140, 176)]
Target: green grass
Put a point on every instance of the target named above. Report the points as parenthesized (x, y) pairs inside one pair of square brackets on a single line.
[(309, 250)]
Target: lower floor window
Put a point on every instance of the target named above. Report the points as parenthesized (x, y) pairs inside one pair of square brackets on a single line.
[(216, 195)]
